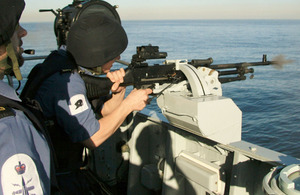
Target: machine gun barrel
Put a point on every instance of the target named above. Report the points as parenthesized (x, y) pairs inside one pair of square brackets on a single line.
[(264, 62), (238, 69), (242, 64), (231, 72)]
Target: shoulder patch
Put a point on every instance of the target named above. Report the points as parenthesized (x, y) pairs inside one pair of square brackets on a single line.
[(6, 111), (78, 104), (19, 176)]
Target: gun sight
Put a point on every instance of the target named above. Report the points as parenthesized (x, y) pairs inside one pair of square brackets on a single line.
[(144, 53)]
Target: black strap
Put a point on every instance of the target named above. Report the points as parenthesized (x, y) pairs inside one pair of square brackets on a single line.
[(57, 61), (4, 101)]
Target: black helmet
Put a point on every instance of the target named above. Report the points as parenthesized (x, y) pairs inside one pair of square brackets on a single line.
[(10, 13), (95, 39)]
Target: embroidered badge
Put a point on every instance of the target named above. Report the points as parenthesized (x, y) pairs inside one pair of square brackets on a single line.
[(19, 176), (78, 104)]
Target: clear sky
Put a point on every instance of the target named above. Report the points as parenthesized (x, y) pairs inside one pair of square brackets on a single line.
[(179, 9)]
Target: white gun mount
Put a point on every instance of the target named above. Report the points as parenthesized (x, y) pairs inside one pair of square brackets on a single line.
[(197, 105)]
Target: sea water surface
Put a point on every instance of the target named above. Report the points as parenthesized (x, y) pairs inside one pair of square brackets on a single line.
[(270, 101)]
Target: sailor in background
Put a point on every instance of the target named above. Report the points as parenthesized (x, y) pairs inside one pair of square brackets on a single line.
[(24, 152), (94, 43)]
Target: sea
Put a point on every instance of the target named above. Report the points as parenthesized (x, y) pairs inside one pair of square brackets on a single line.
[(269, 102)]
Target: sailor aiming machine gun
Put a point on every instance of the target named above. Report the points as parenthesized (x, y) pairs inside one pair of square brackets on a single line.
[(162, 76)]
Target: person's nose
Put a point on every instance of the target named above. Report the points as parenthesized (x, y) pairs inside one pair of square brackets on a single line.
[(22, 32)]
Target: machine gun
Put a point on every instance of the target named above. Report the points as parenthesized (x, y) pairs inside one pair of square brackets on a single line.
[(142, 75)]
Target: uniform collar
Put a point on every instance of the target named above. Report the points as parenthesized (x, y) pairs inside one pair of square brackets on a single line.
[(8, 91)]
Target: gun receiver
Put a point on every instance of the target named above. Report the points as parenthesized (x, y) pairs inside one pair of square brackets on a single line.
[(142, 75)]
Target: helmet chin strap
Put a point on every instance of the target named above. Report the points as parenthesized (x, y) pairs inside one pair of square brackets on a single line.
[(15, 64), (4, 64), (10, 63), (95, 71)]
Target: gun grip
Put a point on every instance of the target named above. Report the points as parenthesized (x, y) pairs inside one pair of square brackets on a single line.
[(96, 86)]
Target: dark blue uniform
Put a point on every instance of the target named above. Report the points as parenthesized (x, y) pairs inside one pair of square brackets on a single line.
[(63, 96), (25, 155)]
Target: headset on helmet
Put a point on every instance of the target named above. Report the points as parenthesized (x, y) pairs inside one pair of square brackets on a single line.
[(67, 16)]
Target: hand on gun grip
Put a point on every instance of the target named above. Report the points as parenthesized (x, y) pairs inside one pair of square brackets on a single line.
[(116, 77), (138, 98)]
